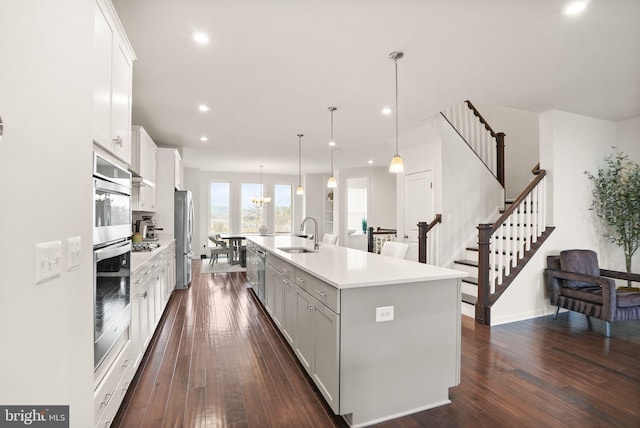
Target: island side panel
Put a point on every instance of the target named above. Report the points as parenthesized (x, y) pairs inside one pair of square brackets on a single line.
[(388, 369)]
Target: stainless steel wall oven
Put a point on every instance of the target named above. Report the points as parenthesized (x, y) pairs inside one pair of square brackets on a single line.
[(112, 296), (111, 201), (111, 255)]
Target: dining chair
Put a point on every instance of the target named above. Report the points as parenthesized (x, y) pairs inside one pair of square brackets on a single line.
[(330, 238), (395, 249)]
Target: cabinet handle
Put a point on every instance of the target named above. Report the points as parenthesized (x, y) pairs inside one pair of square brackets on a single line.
[(125, 386), (126, 363), (322, 293), (144, 296), (118, 140), (106, 399), (300, 280)]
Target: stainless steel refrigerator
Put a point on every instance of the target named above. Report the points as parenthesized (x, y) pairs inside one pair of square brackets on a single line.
[(184, 218)]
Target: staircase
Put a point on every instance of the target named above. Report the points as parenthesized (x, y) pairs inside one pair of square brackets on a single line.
[(505, 245)]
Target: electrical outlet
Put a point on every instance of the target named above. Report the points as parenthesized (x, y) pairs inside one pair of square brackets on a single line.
[(74, 247), (48, 260), (384, 313)]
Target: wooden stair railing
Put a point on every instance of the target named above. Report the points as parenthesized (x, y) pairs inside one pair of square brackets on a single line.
[(423, 230), (372, 233), (507, 245), (487, 144)]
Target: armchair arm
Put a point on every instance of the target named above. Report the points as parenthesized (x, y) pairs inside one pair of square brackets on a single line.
[(633, 277), (608, 286)]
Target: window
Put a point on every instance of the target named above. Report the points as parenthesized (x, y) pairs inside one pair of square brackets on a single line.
[(282, 208), (219, 208), (251, 217)]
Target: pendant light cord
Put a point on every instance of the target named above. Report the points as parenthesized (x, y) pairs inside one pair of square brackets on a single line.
[(396, 66), (300, 159)]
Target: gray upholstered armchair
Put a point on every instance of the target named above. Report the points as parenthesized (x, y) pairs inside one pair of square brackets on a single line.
[(574, 281)]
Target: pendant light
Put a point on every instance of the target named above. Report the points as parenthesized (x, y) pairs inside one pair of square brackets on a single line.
[(332, 183), (261, 201), (396, 166), (300, 190)]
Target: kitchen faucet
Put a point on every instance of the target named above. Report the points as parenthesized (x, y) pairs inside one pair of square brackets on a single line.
[(315, 231)]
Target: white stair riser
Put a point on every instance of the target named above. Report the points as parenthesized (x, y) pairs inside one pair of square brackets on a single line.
[(470, 289), (471, 270), (468, 310)]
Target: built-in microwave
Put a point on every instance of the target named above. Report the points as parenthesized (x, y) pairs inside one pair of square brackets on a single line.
[(111, 201)]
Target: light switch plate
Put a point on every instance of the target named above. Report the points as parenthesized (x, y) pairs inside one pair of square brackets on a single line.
[(48, 260), (74, 247), (384, 313)]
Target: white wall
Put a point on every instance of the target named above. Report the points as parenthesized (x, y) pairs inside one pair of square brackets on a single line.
[(381, 198), (570, 144), (628, 138), (46, 330), (315, 195), (470, 195), (423, 153), (521, 143)]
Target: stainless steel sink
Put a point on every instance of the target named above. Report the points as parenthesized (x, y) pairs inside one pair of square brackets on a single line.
[(296, 250)]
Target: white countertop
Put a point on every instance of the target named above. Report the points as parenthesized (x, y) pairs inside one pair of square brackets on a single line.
[(138, 258), (345, 267)]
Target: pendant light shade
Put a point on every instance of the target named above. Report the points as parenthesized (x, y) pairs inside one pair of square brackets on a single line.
[(300, 189), (396, 166), (332, 183)]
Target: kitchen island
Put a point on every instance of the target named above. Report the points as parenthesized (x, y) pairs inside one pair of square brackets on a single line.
[(379, 336)]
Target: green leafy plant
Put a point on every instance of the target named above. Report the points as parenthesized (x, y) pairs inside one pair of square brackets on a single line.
[(616, 200)]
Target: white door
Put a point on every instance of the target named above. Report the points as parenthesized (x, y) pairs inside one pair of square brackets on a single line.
[(418, 204)]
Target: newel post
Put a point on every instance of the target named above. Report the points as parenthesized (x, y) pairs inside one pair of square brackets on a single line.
[(422, 242), (483, 310), (500, 154), (370, 239)]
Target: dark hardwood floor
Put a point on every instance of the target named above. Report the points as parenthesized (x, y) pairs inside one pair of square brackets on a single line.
[(217, 361)]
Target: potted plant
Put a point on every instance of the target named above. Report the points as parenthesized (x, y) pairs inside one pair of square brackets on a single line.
[(616, 200)]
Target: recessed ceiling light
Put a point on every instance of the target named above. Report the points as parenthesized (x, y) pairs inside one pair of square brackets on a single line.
[(332, 143), (203, 107), (386, 111), (370, 161), (201, 38), (574, 8), (203, 138)]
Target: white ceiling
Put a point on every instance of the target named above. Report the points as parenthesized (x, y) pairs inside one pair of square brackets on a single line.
[(273, 67)]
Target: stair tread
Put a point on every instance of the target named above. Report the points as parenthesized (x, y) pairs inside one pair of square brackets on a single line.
[(468, 298), (470, 280), (467, 262)]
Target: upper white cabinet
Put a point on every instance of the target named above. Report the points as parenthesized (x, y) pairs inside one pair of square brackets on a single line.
[(113, 68), (143, 154), (143, 164), (179, 171)]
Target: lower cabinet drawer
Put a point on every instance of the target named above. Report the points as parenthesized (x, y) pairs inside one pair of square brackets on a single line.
[(325, 293), (107, 391)]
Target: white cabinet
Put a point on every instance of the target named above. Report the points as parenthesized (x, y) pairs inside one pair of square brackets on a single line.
[(317, 344), (328, 214), (113, 67), (143, 165), (289, 309), (179, 171), (273, 294), (109, 393)]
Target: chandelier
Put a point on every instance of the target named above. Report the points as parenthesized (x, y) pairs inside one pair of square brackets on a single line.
[(261, 201)]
